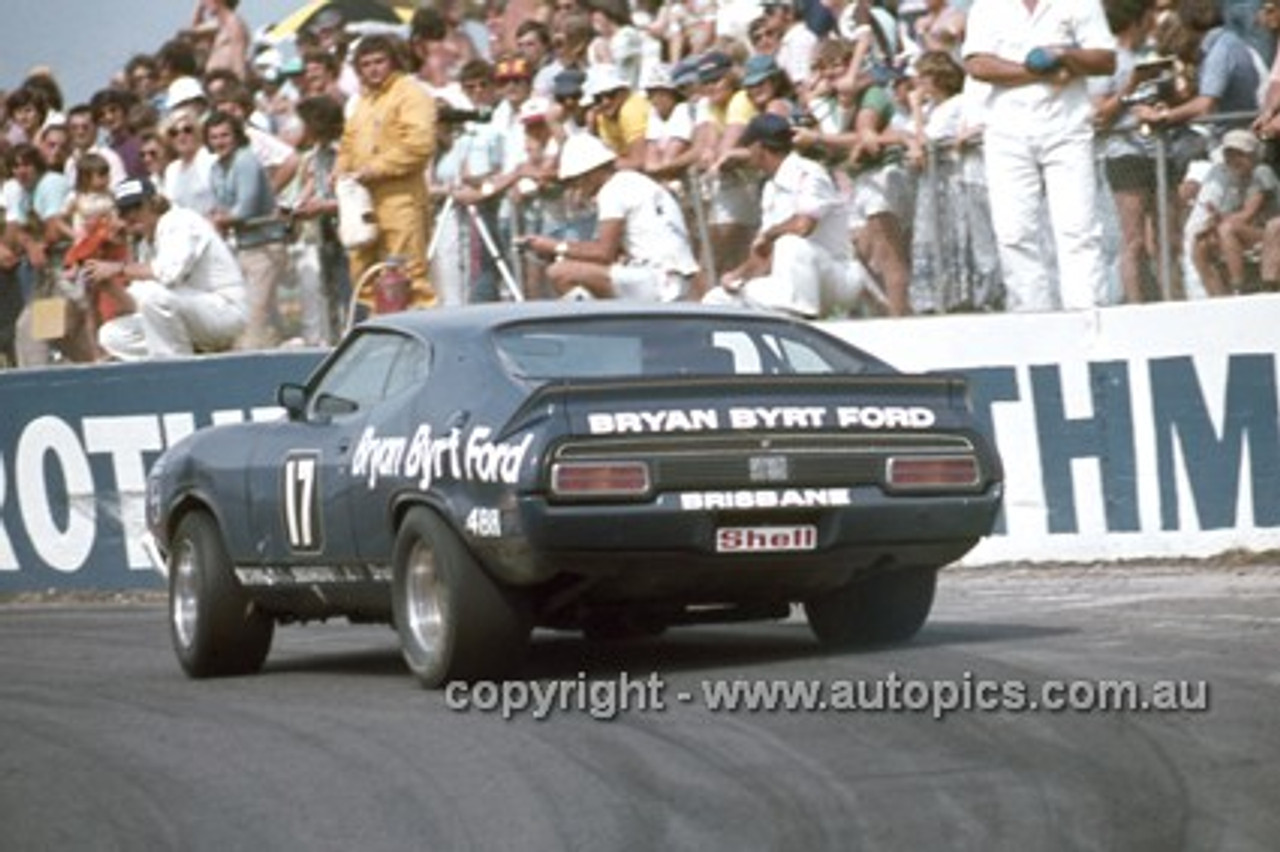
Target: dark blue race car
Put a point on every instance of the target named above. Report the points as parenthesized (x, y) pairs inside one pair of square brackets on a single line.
[(469, 474)]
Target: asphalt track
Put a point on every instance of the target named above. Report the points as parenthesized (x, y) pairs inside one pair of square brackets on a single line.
[(104, 745)]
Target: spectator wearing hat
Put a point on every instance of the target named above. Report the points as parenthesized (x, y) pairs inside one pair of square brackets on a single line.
[(186, 93), (670, 129), (621, 115), (1038, 142), (768, 86), (641, 250), (387, 145), (1237, 198), (733, 192), (569, 113), (801, 260), (188, 298)]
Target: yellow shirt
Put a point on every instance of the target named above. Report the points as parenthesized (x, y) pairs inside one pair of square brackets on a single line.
[(630, 125)]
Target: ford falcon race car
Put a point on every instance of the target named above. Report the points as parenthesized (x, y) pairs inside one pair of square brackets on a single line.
[(469, 474)]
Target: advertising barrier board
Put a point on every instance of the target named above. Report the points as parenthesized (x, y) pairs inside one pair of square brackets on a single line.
[(1127, 433)]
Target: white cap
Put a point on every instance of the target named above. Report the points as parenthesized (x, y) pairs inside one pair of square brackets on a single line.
[(1241, 140), (657, 76), (602, 79), (534, 109), (183, 89), (582, 153)]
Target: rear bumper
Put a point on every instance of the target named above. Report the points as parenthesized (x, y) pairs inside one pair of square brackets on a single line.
[(660, 545)]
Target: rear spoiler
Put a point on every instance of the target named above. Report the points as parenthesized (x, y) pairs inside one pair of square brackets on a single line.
[(555, 398)]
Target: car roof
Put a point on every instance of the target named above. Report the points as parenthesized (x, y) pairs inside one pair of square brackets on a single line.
[(472, 318)]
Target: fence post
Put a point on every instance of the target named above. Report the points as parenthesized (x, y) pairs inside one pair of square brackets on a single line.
[(1162, 214)]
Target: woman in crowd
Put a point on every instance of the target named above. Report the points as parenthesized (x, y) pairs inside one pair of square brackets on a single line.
[(187, 182)]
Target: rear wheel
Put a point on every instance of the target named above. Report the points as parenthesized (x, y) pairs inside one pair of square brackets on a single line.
[(455, 621), (890, 606), (215, 627)]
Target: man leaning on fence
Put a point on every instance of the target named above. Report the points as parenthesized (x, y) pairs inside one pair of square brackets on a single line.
[(387, 145)]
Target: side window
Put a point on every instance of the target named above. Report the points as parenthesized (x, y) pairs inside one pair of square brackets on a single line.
[(411, 365), (371, 368)]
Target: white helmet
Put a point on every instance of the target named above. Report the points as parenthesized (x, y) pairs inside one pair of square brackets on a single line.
[(581, 153)]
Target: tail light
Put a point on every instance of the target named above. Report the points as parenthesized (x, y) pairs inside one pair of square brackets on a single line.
[(587, 480), (931, 473)]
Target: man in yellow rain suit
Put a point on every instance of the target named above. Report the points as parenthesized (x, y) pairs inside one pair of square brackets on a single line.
[(387, 145)]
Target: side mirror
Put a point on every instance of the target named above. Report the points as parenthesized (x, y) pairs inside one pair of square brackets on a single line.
[(293, 399)]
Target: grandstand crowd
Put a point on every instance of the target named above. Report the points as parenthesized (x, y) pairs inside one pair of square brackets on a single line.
[(819, 157)]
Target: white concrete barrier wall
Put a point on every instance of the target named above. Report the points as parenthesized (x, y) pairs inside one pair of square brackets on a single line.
[(1128, 432)]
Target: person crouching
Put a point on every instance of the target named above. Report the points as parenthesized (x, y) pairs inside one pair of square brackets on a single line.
[(641, 250), (189, 298)]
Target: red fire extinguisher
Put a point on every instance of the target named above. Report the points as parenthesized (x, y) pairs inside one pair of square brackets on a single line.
[(391, 291)]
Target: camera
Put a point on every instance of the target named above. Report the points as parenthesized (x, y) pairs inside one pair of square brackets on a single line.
[(1158, 82), (447, 113)]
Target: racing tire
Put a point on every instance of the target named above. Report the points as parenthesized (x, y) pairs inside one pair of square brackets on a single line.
[(887, 607), (216, 629), (455, 621)]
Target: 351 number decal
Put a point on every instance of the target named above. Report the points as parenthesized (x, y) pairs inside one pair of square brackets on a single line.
[(302, 501)]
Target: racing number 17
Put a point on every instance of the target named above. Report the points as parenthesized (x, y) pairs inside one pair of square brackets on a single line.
[(300, 502)]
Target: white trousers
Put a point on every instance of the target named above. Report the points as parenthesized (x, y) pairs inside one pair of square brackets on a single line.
[(175, 322), (804, 279), (1023, 172)]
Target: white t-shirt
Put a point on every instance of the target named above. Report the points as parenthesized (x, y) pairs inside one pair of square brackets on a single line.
[(189, 184), (654, 232), (678, 125)]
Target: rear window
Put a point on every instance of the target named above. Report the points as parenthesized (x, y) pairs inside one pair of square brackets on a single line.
[(662, 346)]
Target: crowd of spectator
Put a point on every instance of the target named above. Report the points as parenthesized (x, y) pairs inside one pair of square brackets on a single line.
[(818, 157)]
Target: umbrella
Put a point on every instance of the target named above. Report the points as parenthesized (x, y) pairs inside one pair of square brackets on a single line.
[(394, 12)]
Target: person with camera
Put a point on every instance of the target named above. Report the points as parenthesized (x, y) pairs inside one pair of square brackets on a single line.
[(1128, 149), (801, 261)]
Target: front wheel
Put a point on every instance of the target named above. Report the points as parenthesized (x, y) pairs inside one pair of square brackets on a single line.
[(216, 629), (890, 606), (455, 622)]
